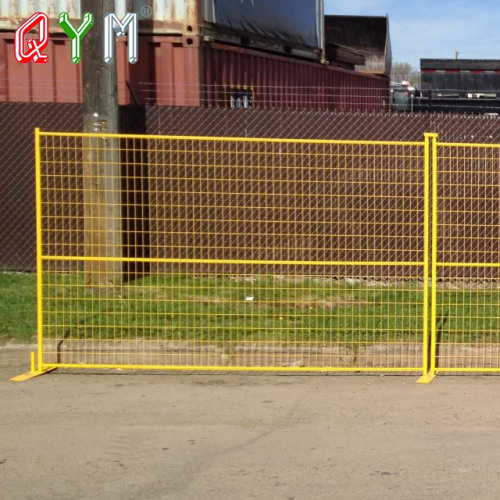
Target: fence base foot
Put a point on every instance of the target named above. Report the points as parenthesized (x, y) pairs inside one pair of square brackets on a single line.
[(27, 376), (426, 379), (34, 372)]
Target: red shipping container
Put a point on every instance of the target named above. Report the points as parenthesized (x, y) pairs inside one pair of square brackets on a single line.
[(186, 71)]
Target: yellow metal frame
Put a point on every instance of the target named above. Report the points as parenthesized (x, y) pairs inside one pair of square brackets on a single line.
[(429, 371), (37, 365), (216, 139), (429, 265)]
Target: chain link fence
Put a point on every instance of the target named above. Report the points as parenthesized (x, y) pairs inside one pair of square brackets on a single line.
[(17, 195), (17, 188)]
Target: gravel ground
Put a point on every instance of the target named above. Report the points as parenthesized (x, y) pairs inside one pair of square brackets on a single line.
[(119, 435)]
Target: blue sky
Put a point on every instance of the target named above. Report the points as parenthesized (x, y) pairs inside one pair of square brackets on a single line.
[(433, 29)]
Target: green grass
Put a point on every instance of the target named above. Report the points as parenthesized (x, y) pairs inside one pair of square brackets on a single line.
[(17, 307), (215, 308), (468, 315)]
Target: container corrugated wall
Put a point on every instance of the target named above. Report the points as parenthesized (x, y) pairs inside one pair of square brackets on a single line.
[(184, 71), (284, 82), (57, 81), (167, 73)]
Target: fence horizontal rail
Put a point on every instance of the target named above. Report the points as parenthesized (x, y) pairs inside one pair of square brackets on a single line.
[(221, 261)]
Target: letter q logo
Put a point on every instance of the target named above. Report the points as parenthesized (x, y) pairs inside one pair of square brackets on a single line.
[(35, 46)]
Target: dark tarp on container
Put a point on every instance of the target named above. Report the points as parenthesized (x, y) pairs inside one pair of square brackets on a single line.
[(296, 23)]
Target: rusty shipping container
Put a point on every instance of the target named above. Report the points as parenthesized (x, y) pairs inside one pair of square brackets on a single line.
[(273, 82), (164, 62), (276, 25), (188, 71)]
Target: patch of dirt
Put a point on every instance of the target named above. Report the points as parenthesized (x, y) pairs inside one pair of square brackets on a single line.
[(299, 303), (201, 299), (328, 303)]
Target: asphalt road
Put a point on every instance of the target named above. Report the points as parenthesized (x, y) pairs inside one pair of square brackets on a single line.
[(214, 436)]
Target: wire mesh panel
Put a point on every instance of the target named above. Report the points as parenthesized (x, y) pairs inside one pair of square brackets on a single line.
[(235, 254), (467, 256)]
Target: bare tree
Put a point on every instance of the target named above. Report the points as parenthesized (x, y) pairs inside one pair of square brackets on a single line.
[(402, 71)]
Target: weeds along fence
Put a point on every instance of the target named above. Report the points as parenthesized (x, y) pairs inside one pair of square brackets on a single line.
[(219, 253)]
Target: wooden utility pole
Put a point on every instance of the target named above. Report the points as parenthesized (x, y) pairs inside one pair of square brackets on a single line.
[(101, 156)]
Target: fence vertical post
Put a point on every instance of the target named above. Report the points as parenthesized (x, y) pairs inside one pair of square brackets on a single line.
[(39, 250), (37, 364), (430, 253), (434, 139)]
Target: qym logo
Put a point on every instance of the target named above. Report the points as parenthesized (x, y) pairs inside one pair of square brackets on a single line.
[(112, 27), (35, 46)]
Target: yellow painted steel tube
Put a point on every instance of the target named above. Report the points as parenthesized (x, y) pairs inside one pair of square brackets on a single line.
[(229, 139), (434, 252), (92, 366), (39, 249), (72, 258), (425, 339)]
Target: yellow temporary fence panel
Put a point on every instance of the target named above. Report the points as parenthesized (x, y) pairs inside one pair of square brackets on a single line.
[(466, 307), (216, 253), (210, 253)]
